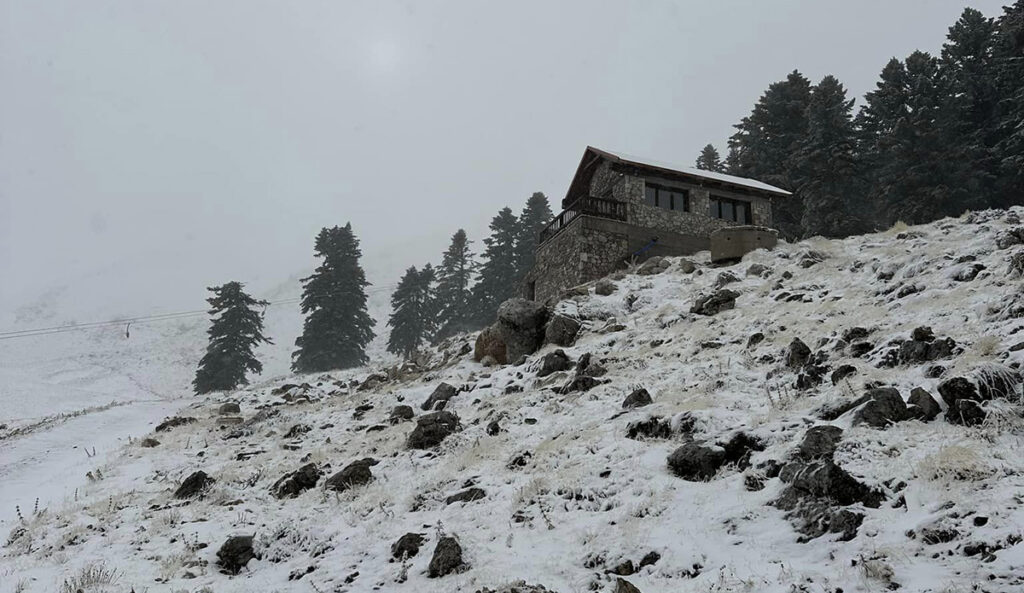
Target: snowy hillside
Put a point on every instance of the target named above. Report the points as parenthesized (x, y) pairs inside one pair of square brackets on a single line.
[(771, 456)]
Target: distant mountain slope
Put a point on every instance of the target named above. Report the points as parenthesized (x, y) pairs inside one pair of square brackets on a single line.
[(778, 452)]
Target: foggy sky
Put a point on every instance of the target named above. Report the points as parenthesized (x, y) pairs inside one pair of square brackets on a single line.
[(150, 149)]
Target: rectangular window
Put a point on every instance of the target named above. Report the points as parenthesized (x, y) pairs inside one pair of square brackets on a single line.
[(667, 198), (728, 209)]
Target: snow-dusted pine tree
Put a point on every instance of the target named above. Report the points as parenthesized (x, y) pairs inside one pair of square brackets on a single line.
[(414, 317), (236, 328), (499, 278), (709, 160), (454, 278), (534, 216)]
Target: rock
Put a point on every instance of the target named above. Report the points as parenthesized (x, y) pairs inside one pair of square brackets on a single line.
[(739, 448), (467, 495), (860, 349), (651, 428), (228, 408), (553, 362), (235, 553), (758, 270), (173, 423), (407, 546), (1016, 267), (442, 393), (819, 442), (713, 304), (834, 409), (797, 355), (1009, 238), (885, 406), (654, 265), (561, 330), (292, 484), (968, 272), (431, 429), (825, 479), (637, 399), (725, 278), (686, 266), (754, 340), (624, 568), (967, 412), (842, 372), (926, 406), (605, 287), (982, 384), (580, 383), (490, 347), (194, 486), (356, 473), (922, 334), (695, 462), (447, 558), (587, 366), (650, 559), (810, 258), (372, 381), (624, 586), (401, 413), (297, 431), (149, 442), (853, 334), (493, 428)]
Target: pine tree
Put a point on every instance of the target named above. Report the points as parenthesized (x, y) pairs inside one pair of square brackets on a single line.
[(235, 329), (1008, 67), (337, 326), (709, 160), (454, 277), (499, 278), (536, 214), (413, 317), (765, 140), (732, 164), (826, 164)]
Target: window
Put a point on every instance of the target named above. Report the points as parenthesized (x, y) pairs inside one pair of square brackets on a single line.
[(728, 209), (667, 197)]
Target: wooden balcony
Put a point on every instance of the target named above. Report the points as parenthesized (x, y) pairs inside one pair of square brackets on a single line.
[(588, 206)]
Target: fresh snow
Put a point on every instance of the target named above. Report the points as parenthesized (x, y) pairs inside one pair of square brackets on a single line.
[(587, 497)]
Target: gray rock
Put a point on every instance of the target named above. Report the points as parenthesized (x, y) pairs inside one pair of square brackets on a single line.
[(637, 399), (580, 383), (442, 393), (842, 372), (235, 553), (757, 270), (194, 486), (561, 330), (725, 278), (553, 362), (605, 287), (294, 483), (431, 429), (229, 408), (624, 586), (695, 462), (407, 546), (654, 265), (819, 442), (401, 413), (926, 406), (1009, 238), (715, 303), (825, 479), (447, 558), (686, 266), (467, 495), (885, 406), (982, 384), (356, 473), (797, 355)]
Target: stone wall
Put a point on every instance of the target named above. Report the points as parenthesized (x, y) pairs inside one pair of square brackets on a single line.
[(586, 249)]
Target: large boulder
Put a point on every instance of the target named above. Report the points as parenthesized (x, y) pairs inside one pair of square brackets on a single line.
[(798, 354), (356, 473), (294, 483), (884, 406), (637, 399), (441, 394), (696, 463), (922, 405), (604, 287), (447, 558), (825, 479), (819, 442), (235, 553), (561, 330), (407, 546), (490, 345), (518, 332), (431, 429), (720, 300), (401, 413), (194, 486)]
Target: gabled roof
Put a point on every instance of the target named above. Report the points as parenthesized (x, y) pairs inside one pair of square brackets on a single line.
[(684, 173)]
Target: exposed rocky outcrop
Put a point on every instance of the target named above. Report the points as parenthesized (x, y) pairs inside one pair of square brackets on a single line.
[(439, 398), (431, 429), (356, 473), (235, 553), (715, 303), (447, 558), (294, 483), (194, 486)]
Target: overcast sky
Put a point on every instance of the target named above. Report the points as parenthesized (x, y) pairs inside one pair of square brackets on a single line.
[(149, 149)]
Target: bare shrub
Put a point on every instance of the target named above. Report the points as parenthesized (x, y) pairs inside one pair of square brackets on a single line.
[(95, 576)]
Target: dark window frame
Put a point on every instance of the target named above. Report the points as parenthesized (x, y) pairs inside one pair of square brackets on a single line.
[(715, 209), (669, 197)]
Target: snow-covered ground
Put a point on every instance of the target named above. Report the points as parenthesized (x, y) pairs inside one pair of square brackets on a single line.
[(568, 496)]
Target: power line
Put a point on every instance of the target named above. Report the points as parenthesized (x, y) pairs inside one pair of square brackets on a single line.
[(60, 329)]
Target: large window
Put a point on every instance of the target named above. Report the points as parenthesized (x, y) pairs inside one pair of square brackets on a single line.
[(727, 209), (669, 198)]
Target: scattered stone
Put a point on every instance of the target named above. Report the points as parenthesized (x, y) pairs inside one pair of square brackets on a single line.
[(884, 406), (653, 265), (713, 304), (229, 408), (373, 381), (861, 349), (825, 479), (650, 559), (810, 258), (235, 553), (624, 586), (561, 330), (588, 366), (696, 463), (493, 428), (553, 362), (759, 270), (819, 442), (431, 429), (984, 383), (925, 408), (739, 448), (624, 568), (754, 340), (725, 278), (797, 355), (401, 413), (356, 473), (442, 393), (842, 372), (605, 287), (194, 486), (686, 266), (655, 427), (467, 495), (580, 383), (1009, 238), (294, 483), (149, 442), (447, 558), (407, 546), (297, 431), (173, 423), (637, 399)]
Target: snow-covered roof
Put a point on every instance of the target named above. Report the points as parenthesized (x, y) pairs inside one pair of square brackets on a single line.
[(691, 171)]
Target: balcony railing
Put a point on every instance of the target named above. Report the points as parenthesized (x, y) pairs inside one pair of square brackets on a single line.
[(590, 206)]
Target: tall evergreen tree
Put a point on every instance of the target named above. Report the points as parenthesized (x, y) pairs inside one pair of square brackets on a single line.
[(709, 160), (1008, 58), (535, 215), (235, 329), (337, 326), (825, 163), (765, 141), (413, 316), (732, 161), (499, 278), (454, 277)]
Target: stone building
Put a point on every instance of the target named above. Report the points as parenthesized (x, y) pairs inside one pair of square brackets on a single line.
[(621, 208)]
